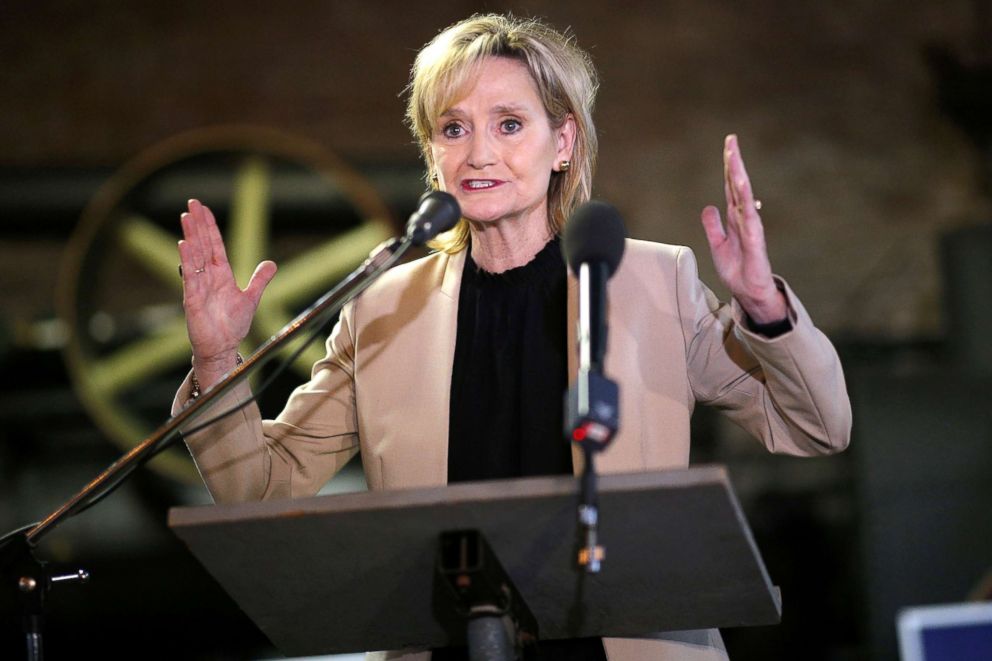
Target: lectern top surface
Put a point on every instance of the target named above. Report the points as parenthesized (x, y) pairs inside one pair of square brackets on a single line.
[(355, 572)]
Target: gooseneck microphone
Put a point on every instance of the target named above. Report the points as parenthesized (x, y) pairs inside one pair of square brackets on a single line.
[(436, 212), (593, 244)]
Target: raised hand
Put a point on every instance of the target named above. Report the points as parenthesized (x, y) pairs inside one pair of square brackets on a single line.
[(218, 312), (739, 250)]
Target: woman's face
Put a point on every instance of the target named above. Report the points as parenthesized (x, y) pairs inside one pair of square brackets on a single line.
[(495, 149)]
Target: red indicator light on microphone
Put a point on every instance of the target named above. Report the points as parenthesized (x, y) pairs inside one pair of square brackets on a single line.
[(579, 434)]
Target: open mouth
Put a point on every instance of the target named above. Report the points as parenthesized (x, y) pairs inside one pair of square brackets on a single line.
[(479, 184)]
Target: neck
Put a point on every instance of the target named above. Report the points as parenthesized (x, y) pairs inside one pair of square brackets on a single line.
[(497, 248)]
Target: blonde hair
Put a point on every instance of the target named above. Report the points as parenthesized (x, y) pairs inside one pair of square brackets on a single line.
[(566, 83)]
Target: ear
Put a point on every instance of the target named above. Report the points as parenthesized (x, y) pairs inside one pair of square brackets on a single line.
[(565, 135)]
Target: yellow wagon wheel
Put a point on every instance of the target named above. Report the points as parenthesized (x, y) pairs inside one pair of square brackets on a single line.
[(275, 196)]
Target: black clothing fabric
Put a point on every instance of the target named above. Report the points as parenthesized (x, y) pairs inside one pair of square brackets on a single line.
[(774, 329), (508, 385), (510, 372)]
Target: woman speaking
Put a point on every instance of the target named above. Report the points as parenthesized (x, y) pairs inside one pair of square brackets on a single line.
[(452, 367)]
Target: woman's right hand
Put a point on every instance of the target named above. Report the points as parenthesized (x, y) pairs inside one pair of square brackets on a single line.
[(218, 312)]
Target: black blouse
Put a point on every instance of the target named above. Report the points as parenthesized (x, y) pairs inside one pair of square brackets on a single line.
[(510, 372), (507, 391)]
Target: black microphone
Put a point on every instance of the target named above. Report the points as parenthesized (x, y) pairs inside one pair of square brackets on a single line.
[(436, 212), (593, 245)]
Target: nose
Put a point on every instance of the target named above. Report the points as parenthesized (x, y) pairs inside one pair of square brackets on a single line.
[(481, 151)]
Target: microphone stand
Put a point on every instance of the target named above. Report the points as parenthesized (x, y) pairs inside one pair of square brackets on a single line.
[(25, 580), (591, 407)]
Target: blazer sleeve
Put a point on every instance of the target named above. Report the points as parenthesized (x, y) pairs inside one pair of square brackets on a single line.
[(245, 458), (788, 391)]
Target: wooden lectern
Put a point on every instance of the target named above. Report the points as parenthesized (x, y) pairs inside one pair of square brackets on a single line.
[(355, 572)]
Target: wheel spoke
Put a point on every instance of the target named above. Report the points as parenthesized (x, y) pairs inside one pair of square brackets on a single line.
[(139, 360), (152, 247), (270, 321), (306, 276), (248, 225), (318, 269)]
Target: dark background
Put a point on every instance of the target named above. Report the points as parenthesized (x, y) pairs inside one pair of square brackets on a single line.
[(865, 127)]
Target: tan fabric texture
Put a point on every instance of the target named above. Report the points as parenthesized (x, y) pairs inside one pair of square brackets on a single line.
[(383, 388)]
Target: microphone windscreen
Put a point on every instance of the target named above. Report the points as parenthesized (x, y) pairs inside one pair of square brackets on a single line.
[(436, 212), (594, 234)]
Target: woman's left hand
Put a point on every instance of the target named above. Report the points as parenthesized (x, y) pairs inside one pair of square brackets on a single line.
[(739, 251)]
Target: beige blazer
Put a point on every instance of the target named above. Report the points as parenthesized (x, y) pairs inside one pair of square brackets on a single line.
[(383, 388)]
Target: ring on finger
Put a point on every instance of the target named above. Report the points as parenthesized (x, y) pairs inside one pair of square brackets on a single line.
[(757, 205), (202, 269)]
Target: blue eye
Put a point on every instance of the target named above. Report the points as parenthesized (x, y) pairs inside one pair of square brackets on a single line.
[(452, 130), (511, 125)]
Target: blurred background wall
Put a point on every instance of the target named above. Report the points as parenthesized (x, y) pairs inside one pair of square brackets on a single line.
[(863, 127)]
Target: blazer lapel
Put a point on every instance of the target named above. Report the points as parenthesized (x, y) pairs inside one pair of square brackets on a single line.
[(447, 325)]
